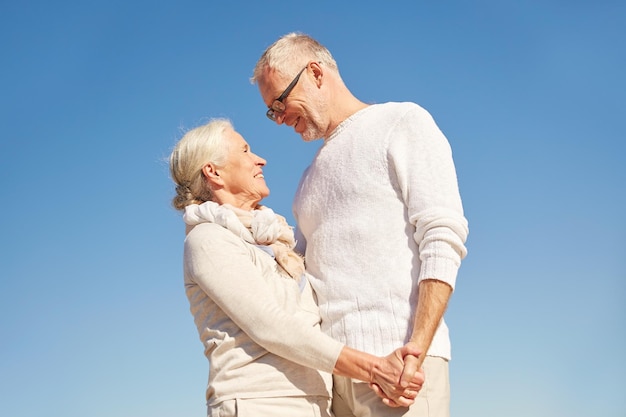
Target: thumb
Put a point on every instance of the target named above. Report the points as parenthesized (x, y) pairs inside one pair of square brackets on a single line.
[(411, 366)]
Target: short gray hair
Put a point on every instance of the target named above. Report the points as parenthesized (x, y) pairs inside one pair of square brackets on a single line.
[(290, 53)]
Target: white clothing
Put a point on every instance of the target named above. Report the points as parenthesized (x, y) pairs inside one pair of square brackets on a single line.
[(378, 210), (259, 328)]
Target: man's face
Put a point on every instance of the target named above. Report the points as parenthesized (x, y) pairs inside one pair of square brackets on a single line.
[(299, 107)]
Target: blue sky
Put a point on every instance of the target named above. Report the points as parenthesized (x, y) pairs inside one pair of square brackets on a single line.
[(93, 316)]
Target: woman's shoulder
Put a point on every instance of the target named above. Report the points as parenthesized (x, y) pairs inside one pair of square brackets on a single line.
[(211, 234), (205, 228)]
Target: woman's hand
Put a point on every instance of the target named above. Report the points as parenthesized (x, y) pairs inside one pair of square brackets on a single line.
[(396, 379)]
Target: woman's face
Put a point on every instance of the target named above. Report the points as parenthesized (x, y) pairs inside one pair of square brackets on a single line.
[(242, 175)]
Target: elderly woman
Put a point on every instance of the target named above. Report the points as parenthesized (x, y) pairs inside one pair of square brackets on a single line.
[(248, 292)]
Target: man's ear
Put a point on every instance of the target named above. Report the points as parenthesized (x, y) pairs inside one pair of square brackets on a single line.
[(318, 72), (211, 173)]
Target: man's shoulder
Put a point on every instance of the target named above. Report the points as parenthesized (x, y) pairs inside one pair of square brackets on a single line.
[(398, 106), (407, 111)]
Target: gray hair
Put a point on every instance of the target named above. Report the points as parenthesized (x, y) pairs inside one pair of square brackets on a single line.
[(290, 53), (198, 147)]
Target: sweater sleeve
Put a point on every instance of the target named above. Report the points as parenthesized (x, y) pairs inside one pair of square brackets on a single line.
[(421, 157), (220, 264)]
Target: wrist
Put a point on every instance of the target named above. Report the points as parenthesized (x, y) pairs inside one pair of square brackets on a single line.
[(358, 365), (374, 369)]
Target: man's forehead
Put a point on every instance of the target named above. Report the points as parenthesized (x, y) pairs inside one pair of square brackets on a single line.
[(270, 85), (271, 75)]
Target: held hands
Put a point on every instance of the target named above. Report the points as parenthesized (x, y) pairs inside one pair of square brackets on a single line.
[(397, 379)]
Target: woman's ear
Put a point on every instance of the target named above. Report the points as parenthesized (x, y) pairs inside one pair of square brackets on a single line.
[(211, 173)]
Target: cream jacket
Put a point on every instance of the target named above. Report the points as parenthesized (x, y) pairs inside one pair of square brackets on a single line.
[(260, 328)]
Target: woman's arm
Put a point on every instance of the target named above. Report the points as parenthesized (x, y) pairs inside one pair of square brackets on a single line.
[(220, 264)]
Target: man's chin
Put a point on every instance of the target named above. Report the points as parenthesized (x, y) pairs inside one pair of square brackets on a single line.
[(310, 135)]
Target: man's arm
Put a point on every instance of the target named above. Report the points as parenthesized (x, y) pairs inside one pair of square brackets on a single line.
[(431, 305)]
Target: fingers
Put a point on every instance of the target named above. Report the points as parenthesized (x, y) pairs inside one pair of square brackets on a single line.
[(409, 394), (399, 379), (398, 402), (386, 400), (411, 364), (405, 400), (391, 403), (377, 390)]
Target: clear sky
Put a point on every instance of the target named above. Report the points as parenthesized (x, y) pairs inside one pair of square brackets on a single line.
[(93, 316)]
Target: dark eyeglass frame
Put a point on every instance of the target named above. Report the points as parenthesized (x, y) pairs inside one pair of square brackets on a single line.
[(278, 106)]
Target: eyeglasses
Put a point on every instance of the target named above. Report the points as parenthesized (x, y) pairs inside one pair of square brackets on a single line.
[(278, 106)]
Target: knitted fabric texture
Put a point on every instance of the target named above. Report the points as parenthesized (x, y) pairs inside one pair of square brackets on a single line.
[(260, 226)]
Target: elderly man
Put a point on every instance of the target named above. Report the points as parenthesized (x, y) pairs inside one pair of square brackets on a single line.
[(380, 220)]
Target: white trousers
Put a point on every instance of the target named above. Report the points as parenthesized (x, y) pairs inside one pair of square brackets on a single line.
[(309, 406), (355, 399)]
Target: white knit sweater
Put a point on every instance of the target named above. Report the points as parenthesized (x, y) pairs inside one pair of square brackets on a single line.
[(379, 210)]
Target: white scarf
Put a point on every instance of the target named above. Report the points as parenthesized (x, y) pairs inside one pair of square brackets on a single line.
[(259, 227)]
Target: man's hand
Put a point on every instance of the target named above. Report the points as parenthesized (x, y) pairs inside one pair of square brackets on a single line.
[(396, 378)]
